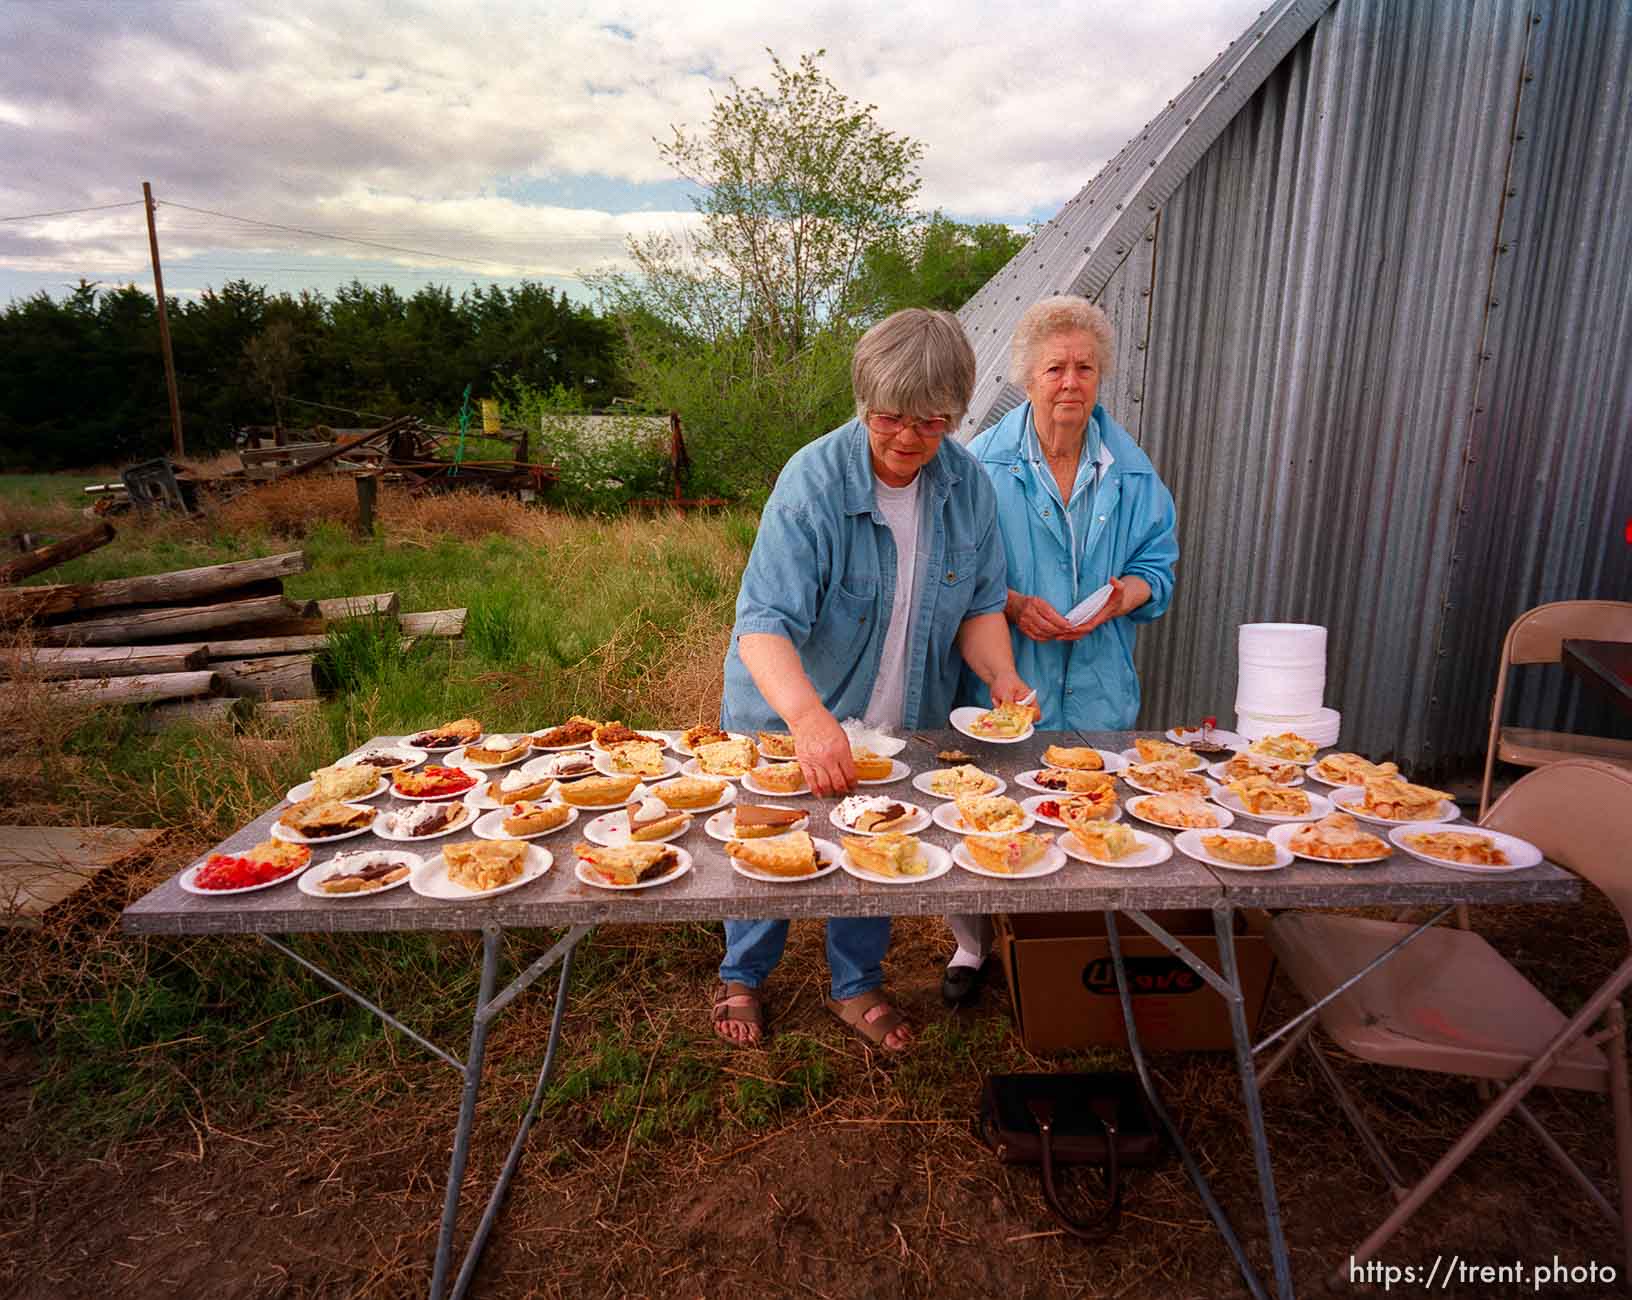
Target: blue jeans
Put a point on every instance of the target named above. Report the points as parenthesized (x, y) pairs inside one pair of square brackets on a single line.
[(855, 952)]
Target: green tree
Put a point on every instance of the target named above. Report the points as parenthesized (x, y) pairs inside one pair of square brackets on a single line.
[(937, 263)]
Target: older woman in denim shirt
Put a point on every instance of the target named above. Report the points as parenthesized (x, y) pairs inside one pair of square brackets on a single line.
[(876, 577), (1079, 506)]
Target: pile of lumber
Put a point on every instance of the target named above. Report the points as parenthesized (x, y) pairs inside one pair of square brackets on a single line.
[(195, 643)]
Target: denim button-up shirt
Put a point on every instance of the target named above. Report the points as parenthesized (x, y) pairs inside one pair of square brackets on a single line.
[(1127, 528), (822, 574)]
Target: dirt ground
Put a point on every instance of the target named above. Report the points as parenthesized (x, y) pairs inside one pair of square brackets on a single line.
[(863, 1196)]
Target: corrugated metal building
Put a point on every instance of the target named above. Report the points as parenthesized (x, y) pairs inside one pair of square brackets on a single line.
[(1369, 276)]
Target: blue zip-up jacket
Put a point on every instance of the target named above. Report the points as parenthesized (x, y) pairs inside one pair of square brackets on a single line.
[(1088, 684), (822, 574)]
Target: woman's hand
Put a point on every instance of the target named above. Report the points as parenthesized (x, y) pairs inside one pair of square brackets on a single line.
[(1039, 620), (1007, 688), (824, 752), (1127, 594)]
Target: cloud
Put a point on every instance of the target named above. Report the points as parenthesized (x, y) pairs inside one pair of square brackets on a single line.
[(420, 124)]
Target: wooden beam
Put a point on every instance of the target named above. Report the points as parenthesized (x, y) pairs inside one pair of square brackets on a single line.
[(91, 662), (284, 677), (358, 606), (46, 557), (162, 624), (286, 711), (220, 710), (434, 622), (185, 586), (40, 866), (146, 689)]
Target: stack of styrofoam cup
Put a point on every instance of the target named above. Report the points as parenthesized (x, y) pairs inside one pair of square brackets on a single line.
[(1282, 683)]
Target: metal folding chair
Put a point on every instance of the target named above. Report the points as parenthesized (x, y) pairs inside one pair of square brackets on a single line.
[(1537, 637), (1448, 1002)]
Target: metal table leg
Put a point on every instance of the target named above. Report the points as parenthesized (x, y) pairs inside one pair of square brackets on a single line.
[(491, 936), (1191, 1167)]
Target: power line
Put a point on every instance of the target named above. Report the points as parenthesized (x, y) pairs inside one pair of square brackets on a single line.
[(322, 234), (70, 212)]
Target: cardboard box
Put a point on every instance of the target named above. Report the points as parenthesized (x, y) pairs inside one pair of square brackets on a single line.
[(1064, 986)]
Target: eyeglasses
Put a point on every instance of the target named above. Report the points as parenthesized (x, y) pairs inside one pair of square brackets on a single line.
[(888, 424)]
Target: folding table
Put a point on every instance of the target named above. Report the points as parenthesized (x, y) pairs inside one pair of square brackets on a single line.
[(713, 891)]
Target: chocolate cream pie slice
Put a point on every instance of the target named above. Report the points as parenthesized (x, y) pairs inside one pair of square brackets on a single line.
[(753, 821)]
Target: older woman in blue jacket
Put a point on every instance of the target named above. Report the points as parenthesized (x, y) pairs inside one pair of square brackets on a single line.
[(1079, 505)]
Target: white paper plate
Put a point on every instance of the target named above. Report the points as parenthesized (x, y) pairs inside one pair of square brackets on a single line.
[(879, 741), (611, 830), (310, 877), (439, 798), (899, 771), (1114, 762), (1522, 855), (1216, 771), (431, 880), (825, 849), (639, 792), (458, 758), (1344, 795), (1030, 805), (282, 832), (671, 767), (303, 791), (1131, 757), (1319, 806), (1088, 606), (1189, 843), (491, 826), (748, 783), (1152, 851), (937, 858), (1282, 835), (551, 764), (679, 746), (1050, 862), (409, 754), (725, 800), (693, 767), (1218, 736), (963, 719), (1126, 775), (917, 822), (187, 877), (583, 873), (463, 824), (920, 782), (719, 826), (1225, 816), (947, 817)]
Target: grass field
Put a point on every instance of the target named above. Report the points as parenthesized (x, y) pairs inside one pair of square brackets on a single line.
[(199, 1116)]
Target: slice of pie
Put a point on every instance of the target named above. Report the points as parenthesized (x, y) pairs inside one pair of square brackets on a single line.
[(777, 744), (950, 782), (461, 731), (793, 854), (517, 785), (642, 757), (612, 734), (1178, 811), (318, 819), (652, 819), (596, 791), (1258, 794), (529, 818), (1459, 846), (362, 873), (1105, 839), (342, 783), (1243, 850), (1054, 778), (1006, 854), (891, 854), (735, 757), (1338, 838), (690, 792), (704, 733), (1079, 758), (1006, 721), (1250, 765), (1095, 805), (1162, 751), (1288, 745), (1351, 769), (628, 864), (783, 778), (496, 750), (755, 821), (481, 865), (990, 812), (576, 730), (872, 814), (1400, 801), (870, 766), (1166, 778)]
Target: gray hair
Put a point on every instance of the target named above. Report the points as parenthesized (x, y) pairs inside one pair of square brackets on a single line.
[(915, 362), (1060, 314)]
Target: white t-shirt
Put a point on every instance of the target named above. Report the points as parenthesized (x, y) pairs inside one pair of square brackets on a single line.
[(899, 506)]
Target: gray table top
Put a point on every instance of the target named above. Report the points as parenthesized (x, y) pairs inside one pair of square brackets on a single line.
[(712, 890)]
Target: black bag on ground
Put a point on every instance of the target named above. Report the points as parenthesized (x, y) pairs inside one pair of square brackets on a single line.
[(1057, 1120)]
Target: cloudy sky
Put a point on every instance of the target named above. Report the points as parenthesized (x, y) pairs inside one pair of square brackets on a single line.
[(487, 142)]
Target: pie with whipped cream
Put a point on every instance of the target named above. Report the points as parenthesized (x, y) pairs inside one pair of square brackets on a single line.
[(498, 749), (516, 785), (652, 819)]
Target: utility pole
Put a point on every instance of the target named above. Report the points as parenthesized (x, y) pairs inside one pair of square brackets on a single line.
[(164, 325)]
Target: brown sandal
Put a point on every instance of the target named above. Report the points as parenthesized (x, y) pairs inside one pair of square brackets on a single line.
[(853, 1012), (740, 1003)]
